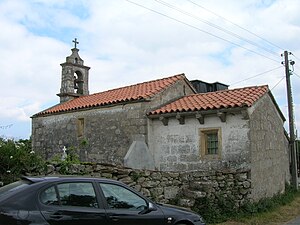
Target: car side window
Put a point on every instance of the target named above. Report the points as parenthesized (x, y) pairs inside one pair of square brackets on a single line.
[(49, 196), (80, 194), (118, 197)]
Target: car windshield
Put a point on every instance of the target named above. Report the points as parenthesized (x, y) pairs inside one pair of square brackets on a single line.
[(13, 186)]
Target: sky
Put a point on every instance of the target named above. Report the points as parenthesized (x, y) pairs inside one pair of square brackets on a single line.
[(238, 43)]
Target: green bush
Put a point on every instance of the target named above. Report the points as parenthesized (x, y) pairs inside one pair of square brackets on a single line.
[(17, 159), (216, 210), (65, 164), (222, 209), (268, 204)]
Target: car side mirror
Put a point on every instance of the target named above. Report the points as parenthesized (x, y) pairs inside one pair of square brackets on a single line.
[(151, 207)]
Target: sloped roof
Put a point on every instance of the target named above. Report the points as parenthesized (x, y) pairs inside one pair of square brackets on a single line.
[(141, 91), (241, 97)]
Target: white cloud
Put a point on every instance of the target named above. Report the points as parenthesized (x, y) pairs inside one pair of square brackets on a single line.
[(125, 44), (17, 108)]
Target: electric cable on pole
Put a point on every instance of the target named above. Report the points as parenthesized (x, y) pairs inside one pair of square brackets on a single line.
[(292, 142)]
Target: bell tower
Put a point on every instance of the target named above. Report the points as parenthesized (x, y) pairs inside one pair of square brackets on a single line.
[(74, 76)]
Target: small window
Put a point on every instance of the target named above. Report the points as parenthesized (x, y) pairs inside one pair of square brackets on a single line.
[(80, 127), (118, 197), (77, 194), (210, 143), (49, 196)]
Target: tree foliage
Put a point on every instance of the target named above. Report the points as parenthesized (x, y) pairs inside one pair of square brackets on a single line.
[(17, 159)]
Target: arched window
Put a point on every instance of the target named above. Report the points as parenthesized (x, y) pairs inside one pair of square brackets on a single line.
[(78, 82)]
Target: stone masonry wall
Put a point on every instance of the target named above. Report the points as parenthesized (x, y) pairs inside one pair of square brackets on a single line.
[(183, 188), (107, 133), (269, 150), (177, 147)]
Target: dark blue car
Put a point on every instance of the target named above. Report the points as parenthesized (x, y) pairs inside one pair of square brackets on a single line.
[(84, 201)]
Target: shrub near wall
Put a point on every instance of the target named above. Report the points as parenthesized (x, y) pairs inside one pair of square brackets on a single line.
[(17, 158), (189, 189)]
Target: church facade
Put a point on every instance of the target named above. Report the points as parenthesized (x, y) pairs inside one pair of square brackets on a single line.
[(102, 126), (166, 125)]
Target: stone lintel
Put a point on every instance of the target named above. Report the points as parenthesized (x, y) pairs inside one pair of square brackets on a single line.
[(164, 120), (180, 118), (200, 118), (75, 95)]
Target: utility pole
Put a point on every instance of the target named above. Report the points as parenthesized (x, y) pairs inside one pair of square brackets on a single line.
[(292, 144)]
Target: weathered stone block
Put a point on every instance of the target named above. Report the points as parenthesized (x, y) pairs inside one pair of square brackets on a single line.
[(242, 176), (246, 184), (188, 203), (155, 192), (171, 192), (188, 158), (107, 175), (184, 149), (126, 180), (140, 180), (137, 187), (146, 192), (156, 176), (244, 191), (150, 184), (176, 182)]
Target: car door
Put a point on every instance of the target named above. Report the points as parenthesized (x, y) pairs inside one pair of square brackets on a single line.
[(125, 207), (72, 203)]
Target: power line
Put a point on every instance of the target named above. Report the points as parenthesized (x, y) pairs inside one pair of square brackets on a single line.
[(295, 56), (295, 67), (277, 83), (216, 26), (292, 63), (236, 25), (197, 28), (256, 75), (296, 74)]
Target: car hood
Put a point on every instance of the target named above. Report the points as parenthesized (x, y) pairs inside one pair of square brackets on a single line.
[(175, 208)]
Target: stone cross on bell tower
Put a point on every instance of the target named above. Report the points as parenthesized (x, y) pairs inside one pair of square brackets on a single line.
[(75, 42), (74, 76)]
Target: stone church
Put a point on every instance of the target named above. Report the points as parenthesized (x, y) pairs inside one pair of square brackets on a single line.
[(168, 124)]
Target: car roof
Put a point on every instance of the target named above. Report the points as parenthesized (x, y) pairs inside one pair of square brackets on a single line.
[(36, 179)]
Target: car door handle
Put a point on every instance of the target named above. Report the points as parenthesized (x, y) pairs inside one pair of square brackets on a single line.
[(56, 216), (114, 218)]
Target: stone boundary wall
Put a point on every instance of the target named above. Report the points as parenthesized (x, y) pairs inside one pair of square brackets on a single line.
[(180, 188)]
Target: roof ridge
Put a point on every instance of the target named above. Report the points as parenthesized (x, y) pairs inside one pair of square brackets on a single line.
[(229, 98), (136, 92), (132, 85)]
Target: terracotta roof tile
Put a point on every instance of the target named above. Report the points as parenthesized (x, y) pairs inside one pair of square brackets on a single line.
[(215, 100), (141, 91)]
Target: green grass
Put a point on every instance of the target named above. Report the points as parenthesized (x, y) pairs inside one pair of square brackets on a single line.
[(224, 209), (274, 211)]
